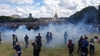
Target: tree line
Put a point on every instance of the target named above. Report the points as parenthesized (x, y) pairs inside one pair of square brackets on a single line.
[(11, 19)]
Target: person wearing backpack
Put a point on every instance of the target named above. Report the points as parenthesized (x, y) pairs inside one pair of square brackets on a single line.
[(92, 46), (70, 47)]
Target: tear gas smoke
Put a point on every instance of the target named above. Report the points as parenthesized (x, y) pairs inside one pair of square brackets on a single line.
[(73, 31)]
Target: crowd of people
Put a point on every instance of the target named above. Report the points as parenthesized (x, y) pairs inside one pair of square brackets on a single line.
[(83, 44), (15, 25), (82, 50)]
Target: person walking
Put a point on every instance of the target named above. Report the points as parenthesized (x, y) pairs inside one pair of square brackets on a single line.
[(15, 39), (26, 40), (18, 50)]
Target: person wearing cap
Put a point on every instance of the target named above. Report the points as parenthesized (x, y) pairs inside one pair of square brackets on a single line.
[(70, 47)]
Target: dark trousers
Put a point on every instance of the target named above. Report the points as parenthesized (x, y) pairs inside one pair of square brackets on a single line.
[(92, 48), (36, 52), (84, 50), (0, 41), (26, 44), (19, 54), (71, 52), (79, 49), (14, 43)]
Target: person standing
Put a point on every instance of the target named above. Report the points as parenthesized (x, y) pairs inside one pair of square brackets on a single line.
[(38, 41), (36, 50), (17, 49), (50, 36), (92, 46), (26, 40), (0, 38), (84, 49), (15, 39), (65, 37), (47, 38), (80, 44), (70, 47)]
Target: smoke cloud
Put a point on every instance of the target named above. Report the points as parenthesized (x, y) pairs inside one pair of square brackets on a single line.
[(57, 30)]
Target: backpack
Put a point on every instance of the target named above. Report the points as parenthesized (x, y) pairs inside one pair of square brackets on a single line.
[(92, 40)]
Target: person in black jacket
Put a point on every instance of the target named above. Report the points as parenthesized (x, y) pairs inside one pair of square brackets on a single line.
[(70, 47), (38, 41), (80, 44), (17, 49), (36, 49)]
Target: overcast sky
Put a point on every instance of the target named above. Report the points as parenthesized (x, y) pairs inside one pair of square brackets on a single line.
[(44, 8)]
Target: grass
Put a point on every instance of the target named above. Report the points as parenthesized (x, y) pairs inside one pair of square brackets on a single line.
[(7, 50)]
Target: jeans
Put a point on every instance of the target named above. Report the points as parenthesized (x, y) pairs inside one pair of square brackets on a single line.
[(92, 48)]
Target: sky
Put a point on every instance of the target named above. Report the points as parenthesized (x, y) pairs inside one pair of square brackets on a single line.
[(44, 8)]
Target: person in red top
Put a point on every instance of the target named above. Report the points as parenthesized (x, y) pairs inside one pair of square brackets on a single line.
[(70, 47)]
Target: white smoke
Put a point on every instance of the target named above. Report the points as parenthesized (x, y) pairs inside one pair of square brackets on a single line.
[(73, 31)]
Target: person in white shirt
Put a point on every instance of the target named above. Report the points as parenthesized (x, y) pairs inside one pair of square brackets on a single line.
[(92, 45)]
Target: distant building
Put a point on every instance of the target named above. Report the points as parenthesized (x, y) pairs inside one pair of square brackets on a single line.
[(45, 19), (16, 16), (30, 15), (54, 19)]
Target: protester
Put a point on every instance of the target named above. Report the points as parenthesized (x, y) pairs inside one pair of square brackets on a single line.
[(36, 49), (92, 46), (47, 38), (17, 49), (26, 40), (15, 39), (0, 38), (80, 44), (84, 49), (70, 47), (65, 38), (38, 41), (50, 36)]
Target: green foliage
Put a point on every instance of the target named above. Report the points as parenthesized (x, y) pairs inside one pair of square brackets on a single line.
[(6, 19), (88, 14), (10, 19)]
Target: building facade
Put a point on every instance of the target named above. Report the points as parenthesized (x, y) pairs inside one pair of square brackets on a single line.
[(16, 16), (54, 19)]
